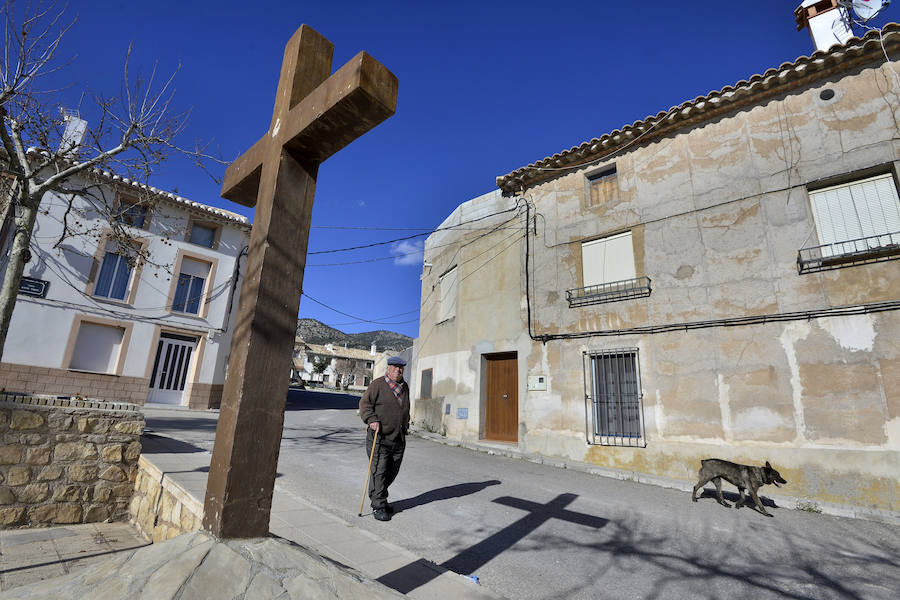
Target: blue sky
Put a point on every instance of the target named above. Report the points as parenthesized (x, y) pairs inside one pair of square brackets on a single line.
[(485, 88)]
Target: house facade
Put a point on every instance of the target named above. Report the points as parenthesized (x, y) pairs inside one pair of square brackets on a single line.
[(717, 280), (90, 321), (348, 368)]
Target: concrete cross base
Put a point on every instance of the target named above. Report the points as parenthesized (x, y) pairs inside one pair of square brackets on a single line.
[(198, 566)]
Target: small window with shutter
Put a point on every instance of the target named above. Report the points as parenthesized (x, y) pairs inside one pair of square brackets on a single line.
[(603, 187)]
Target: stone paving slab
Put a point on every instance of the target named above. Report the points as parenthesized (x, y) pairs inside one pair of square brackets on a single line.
[(34, 555), (196, 566), (193, 565), (295, 519)]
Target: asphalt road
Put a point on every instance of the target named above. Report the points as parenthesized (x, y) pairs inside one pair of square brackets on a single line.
[(532, 531)]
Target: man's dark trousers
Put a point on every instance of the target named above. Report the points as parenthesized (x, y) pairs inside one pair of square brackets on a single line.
[(385, 466)]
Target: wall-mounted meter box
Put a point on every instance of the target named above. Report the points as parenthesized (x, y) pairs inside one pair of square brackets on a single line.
[(537, 382)]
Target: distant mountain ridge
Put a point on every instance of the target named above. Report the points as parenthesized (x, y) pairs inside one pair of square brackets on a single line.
[(316, 332)]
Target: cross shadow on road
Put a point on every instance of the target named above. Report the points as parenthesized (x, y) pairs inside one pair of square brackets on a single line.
[(310, 400), (444, 493), (411, 576)]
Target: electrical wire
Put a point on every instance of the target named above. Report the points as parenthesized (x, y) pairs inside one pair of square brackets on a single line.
[(359, 319), (409, 237), (393, 256), (214, 292)]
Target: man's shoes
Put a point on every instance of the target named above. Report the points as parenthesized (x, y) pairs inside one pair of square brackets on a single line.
[(389, 508), (381, 514)]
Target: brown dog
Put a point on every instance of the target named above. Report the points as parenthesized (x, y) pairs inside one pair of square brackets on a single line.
[(741, 476)]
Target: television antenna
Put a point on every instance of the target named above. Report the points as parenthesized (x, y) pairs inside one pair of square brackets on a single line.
[(865, 10)]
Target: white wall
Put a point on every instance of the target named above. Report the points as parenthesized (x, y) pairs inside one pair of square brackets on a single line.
[(41, 328)]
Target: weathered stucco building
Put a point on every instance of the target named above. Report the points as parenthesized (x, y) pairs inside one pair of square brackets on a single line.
[(717, 280)]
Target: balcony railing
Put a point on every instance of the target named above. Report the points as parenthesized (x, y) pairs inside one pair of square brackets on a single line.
[(876, 248), (614, 291)]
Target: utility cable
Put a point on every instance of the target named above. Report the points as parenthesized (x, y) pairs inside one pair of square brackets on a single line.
[(409, 237)]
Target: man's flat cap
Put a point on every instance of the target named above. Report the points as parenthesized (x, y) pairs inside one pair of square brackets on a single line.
[(396, 361)]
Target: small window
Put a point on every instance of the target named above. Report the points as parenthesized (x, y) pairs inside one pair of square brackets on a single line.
[(190, 287), (368, 364), (857, 223), (202, 235), (608, 272), (115, 274), (366, 381), (613, 380), (607, 260), (426, 384), (447, 286), (603, 187), (97, 348), (132, 212)]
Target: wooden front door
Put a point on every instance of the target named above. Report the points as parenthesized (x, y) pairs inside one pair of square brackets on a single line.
[(501, 419)]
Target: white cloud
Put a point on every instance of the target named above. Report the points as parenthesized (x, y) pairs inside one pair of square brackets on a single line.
[(411, 253)]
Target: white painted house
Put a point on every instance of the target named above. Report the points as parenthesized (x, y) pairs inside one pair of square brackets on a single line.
[(86, 323)]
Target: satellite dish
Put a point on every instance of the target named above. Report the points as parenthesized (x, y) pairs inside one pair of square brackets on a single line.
[(868, 9)]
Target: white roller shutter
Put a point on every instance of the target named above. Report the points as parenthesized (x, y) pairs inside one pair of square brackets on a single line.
[(97, 348), (861, 209), (608, 259)]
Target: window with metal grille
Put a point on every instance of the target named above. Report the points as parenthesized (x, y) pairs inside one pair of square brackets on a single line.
[(857, 223), (608, 272), (613, 399)]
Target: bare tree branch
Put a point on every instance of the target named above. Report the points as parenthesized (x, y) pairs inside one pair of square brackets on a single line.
[(46, 149)]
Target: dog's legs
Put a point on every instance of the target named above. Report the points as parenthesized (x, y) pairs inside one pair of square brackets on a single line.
[(703, 481), (718, 482), (742, 499), (759, 504)]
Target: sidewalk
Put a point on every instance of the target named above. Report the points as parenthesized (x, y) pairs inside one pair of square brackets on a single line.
[(299, 521), (30, 555)]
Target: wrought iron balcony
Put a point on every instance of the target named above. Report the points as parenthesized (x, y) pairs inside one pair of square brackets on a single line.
[(876, 248), (614, 291)]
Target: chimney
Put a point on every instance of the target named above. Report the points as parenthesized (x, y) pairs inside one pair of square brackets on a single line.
[(373, 350), (828, 22), (75, 128)]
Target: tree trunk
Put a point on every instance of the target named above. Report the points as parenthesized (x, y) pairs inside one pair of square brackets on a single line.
[(16, 266)]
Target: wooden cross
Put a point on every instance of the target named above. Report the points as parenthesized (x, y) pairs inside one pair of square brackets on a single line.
[(315, 116)]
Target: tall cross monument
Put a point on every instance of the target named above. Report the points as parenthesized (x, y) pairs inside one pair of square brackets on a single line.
[(315, 116)]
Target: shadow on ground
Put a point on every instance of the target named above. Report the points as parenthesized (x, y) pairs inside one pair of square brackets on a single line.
[(669, 570), (312, 400), (444, 493), (734, 497)]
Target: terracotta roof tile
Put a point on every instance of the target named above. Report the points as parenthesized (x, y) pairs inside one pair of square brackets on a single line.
[(220, 213), (804, 70)]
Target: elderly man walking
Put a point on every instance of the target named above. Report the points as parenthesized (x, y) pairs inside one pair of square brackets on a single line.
[(384, 407)]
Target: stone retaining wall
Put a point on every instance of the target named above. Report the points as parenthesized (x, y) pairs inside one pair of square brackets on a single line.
[(161, 509), (66, 460)]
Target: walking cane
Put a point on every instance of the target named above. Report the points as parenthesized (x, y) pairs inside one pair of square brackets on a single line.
[(366, 484)]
